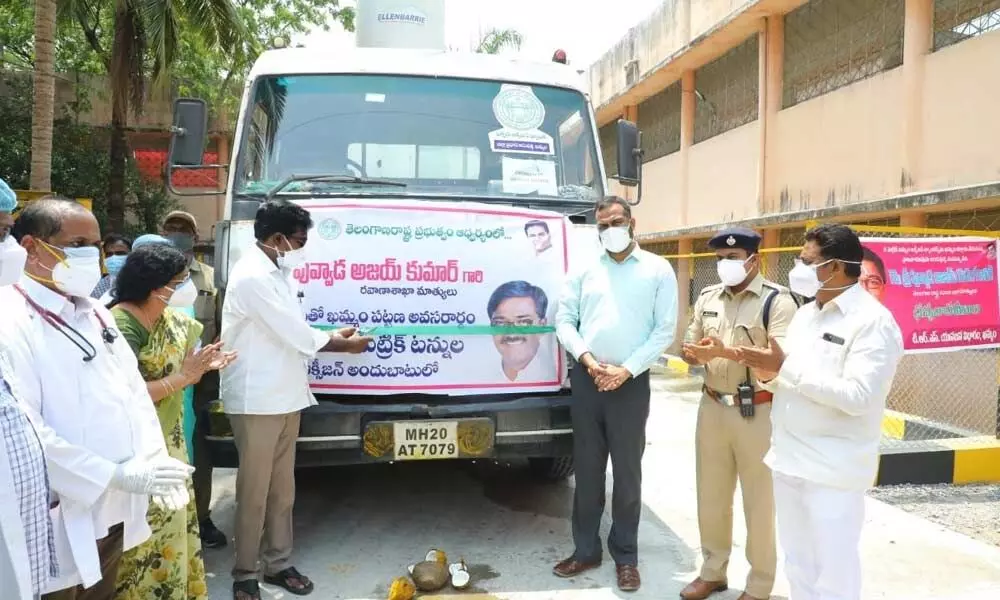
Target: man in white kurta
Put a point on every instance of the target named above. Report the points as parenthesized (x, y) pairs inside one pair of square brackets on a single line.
[(79, 384), (830, 378), (265, 392)]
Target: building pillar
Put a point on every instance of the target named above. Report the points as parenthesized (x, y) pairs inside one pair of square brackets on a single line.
[(772, 62), (688, 102), (913, 219), (684, 304), (918, 40), (769, 261)]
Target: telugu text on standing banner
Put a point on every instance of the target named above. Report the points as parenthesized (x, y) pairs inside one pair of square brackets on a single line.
[(460, 297), (943, 292)]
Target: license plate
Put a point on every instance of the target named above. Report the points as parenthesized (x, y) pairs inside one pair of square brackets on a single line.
[(429, 440), (421, 440)]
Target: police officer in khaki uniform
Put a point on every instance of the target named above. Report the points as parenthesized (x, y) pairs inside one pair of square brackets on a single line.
[(734, 420), (181, 229)]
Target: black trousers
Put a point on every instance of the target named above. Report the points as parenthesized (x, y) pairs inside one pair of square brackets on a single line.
[(608, 424)]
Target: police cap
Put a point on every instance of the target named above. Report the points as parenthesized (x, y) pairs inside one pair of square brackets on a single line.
[(736, 237)]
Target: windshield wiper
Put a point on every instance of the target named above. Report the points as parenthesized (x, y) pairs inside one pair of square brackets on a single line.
[(330, 178)]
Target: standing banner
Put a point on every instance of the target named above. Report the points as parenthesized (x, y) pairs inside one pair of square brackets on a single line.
[(460, 297), (943, 292)]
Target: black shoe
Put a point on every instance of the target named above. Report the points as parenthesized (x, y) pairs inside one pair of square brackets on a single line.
[(211, 537)]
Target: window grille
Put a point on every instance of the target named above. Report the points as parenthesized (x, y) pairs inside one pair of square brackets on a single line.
[(660, 123), (833, 43), (609, 148), (958, 20), (726, 91)]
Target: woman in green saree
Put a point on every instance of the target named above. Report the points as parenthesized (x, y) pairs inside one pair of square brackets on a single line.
[(152, 284)]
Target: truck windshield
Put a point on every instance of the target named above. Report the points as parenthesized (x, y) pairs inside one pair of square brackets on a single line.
[(449, 137)]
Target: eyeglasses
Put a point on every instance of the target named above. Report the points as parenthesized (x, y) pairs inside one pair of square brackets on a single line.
[(871, 281), (526, 322)]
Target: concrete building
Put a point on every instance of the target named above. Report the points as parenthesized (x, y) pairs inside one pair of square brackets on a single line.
[(774, 113), (781, 111)]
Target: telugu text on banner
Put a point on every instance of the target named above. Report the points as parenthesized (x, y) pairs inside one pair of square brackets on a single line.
[(943, 292), (459, 297)]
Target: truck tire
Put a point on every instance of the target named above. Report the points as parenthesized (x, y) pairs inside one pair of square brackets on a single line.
[(551, 468)]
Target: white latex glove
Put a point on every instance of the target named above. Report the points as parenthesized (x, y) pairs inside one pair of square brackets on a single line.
[(157, 476), (174, 499)]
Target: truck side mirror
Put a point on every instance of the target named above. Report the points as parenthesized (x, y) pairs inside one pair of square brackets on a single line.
[(187, 142), (629, 155), (188, 138)]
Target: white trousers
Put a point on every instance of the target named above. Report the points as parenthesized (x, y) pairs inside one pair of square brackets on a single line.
[(820, 530)]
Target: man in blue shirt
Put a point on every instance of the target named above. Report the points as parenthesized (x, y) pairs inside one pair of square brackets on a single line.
[(615, 317)]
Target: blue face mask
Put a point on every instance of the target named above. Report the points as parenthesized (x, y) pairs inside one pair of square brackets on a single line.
[(115, 263)]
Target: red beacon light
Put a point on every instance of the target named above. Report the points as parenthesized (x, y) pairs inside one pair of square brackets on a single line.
[(559, 57)]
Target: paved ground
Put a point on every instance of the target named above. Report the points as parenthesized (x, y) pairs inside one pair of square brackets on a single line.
[(357, 528)]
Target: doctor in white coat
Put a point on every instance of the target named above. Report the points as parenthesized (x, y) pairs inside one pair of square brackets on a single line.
[(80, 386)]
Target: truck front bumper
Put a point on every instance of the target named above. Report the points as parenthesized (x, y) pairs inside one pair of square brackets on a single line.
[(331, 433)]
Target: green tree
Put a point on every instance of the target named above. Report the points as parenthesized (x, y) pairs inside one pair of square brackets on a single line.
[(80, 162), (217, 79), (496, 41), (44, 91), (145, 36), (17, 43), (30, 30)]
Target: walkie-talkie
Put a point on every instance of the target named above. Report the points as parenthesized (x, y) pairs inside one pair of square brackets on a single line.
[(744, 392)]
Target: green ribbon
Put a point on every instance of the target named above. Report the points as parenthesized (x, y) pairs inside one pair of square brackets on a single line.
[(449, 329)]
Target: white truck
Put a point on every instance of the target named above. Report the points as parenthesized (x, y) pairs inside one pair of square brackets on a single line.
[(509, 144)]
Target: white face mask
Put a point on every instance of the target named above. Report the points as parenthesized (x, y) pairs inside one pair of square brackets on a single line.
[(616, 239), (12, 259), (77, 274), (804, 281), (184, 296), (732, 271), (291, 258)]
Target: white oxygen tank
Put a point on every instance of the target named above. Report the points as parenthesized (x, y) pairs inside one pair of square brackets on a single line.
[(413, 24)]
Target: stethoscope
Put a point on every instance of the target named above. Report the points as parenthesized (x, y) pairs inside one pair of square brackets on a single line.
[(108, 334)]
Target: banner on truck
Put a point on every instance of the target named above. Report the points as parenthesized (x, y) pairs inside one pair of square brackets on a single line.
[(943, 292), (461, 297)]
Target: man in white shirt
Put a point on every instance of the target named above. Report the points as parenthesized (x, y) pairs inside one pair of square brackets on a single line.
[(830, 382), (80, 386), (263, 395)]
